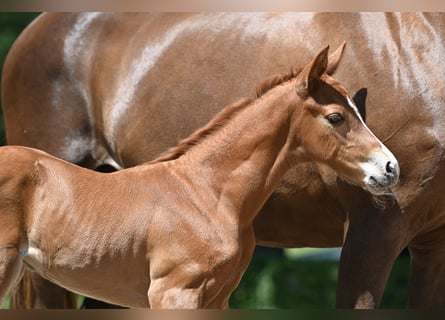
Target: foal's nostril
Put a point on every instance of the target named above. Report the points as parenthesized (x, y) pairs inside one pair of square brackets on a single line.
[(390, 167)]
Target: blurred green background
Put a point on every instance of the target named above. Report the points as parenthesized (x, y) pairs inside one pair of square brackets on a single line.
[(306, 279), (293, 278)]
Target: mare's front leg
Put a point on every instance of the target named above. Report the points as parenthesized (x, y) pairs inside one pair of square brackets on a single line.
[(427, 278), (11, 261), (374, 240)]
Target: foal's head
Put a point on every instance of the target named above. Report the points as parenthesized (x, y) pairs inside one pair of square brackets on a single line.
[(331, 131)]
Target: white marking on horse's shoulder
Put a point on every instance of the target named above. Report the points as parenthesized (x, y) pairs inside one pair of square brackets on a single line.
[(75, 55), (251, 24), (75, 147), (75, 40), (138, 69)]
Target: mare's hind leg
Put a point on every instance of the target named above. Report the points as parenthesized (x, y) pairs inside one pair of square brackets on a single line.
[(10, 260)]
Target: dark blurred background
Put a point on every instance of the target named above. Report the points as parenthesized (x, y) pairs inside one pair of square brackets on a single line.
[(293, 278)]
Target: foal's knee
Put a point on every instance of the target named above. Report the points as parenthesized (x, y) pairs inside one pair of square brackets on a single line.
[(176, 298), (161, 296)]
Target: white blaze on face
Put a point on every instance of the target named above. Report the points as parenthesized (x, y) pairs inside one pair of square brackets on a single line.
[(382, 169)]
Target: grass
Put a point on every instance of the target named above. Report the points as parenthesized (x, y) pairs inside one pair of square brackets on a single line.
[(6, 303)]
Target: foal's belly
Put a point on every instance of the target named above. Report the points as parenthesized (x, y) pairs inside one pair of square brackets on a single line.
[(124, 281)]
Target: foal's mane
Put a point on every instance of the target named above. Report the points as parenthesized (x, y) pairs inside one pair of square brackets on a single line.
[(217, 122), (274, 81), (222, 118)]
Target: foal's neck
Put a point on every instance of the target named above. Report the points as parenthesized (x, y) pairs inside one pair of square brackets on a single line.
[(244, 161)]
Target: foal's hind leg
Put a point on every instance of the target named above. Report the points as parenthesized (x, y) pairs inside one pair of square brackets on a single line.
[(10, 269), (10, 260)]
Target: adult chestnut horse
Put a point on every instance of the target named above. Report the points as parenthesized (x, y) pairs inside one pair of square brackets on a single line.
[(119, 89), (179, 231)]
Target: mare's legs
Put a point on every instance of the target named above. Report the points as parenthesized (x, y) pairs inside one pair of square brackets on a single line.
[(427, 248), (374, 240), (427, 278)]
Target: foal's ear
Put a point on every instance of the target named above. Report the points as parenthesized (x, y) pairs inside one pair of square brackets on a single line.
[(334, 59), (312, 72)]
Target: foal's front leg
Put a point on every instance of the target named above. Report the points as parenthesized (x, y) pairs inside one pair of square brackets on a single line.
[(195, 286), (172, 293), (189, 285)]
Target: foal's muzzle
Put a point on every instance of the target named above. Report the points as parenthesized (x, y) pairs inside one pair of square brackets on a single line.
[(381, 174)]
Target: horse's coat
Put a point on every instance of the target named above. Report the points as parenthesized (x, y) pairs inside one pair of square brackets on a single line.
[(202, 61), (178, 232)]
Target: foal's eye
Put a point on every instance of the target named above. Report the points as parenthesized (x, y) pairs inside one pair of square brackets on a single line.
[(335, 118)]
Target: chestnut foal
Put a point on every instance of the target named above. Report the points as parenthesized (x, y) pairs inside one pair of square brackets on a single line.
[(178, 232)]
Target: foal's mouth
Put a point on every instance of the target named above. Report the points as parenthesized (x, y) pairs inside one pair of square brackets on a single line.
[(381, 186)]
